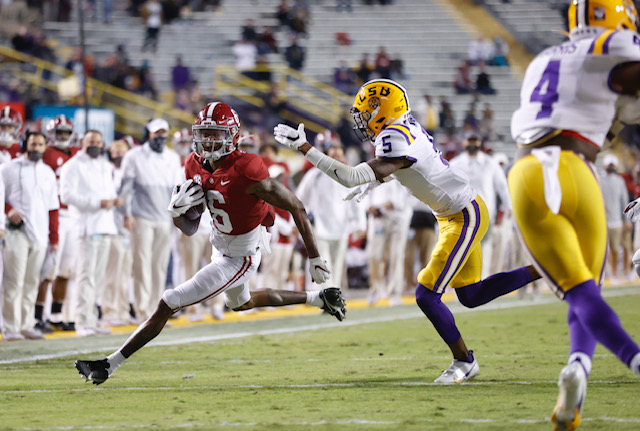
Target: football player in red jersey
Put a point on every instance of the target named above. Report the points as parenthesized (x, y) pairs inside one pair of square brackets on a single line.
[(10, 128), (58, 268), (237, 190)]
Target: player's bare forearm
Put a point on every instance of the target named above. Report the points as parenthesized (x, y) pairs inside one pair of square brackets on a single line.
[(187, 226), (275, 193), (385, 167), (625, 78)]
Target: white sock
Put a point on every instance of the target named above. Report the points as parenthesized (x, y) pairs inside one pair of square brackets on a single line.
[(115, 360), (313, 298), (635, 364), (583, 358)]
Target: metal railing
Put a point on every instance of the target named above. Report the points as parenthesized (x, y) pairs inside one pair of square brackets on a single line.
[(132, 110)]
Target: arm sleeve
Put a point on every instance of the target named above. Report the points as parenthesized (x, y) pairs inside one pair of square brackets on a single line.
[(348, 176)]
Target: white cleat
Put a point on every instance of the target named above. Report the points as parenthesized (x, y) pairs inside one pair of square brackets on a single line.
[(573, 389), (459, 371)]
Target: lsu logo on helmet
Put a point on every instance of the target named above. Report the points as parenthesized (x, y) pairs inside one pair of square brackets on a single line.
[(378, 103), (608, 14)]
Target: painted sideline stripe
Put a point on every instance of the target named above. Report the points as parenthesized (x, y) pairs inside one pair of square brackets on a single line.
[(402, 314), (324, 422)]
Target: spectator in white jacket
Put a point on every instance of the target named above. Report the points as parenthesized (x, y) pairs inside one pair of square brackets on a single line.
[(87, 186), (390, 209), (32, 195), (332, 217), (489, 180), (149, 173), (115, 295)]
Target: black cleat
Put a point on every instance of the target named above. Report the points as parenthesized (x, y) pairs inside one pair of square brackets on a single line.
[(94, 371), (333, 302)]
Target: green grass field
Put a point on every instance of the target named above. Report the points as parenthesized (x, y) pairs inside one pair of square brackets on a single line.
[(371, 372)]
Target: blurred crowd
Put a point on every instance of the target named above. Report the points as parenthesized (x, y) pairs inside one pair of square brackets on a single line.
[(89, 245)]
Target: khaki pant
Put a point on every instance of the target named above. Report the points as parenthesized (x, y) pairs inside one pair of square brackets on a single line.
[(22, 262), (151, 250)]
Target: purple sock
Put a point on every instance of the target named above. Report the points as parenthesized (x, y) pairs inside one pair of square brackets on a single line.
[(438, 313), (599, 319), (582, 342), (493, 287)]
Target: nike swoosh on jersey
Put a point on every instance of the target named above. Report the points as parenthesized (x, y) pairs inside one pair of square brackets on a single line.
[(224, 183)]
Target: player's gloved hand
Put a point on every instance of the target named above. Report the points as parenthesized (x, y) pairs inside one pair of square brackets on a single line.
[(289, 136), (319, 269), (185, 196), (360, 192), (632, 211)]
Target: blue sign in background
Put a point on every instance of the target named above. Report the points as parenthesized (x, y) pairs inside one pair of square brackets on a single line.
[(100, 119)]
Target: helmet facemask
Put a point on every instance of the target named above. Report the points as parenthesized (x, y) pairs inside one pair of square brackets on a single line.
[(8, 134), (361, 128), (213, 142), (62, 138)]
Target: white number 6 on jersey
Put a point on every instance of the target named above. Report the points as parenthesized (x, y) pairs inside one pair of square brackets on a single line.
[(220, 216)]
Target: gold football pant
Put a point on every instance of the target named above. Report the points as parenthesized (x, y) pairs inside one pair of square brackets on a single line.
[(456, 259), (570, 247)]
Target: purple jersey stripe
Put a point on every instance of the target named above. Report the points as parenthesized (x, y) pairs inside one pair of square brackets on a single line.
[(404, 127), (452, 255), (406, 137), (605, 45), (593, 45), (476, 210)]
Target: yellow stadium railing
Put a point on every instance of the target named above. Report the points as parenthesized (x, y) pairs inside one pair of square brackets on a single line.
[(318, 104), (132, 111)]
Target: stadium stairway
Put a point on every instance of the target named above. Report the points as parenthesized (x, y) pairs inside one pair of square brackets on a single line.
[(428, 35)]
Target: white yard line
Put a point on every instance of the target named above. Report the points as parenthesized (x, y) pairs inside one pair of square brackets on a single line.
[(397, 313), (295, 386)]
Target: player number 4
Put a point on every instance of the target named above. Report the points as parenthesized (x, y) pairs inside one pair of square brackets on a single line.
[(220, 216), (546, 92)]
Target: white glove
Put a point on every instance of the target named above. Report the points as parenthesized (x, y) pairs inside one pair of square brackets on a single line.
[(361, 192), (319, 269), (289, 136), (632, 211), (184, 197)]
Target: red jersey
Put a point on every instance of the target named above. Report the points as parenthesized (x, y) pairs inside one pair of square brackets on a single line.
[(55, 158), (233, 211)]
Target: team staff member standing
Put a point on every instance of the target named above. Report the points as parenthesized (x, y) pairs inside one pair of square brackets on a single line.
[(31, 191), (149, 173), (568, 103), (87, 186)]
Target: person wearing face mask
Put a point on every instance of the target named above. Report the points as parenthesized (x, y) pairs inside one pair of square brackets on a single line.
[(88, 188), (616, 197), (31, 191), (149, 173), (489, 180)]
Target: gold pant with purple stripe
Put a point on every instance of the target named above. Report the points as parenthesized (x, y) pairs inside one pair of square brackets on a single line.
[(570, 247), (456, 260)]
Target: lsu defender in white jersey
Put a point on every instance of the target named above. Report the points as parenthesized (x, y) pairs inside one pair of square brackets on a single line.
[(406, 152), (429, 177), (568, 104), (567, 86)]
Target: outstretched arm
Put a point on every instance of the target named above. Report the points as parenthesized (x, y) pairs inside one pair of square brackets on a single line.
[(275, 193), (348, 176)]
